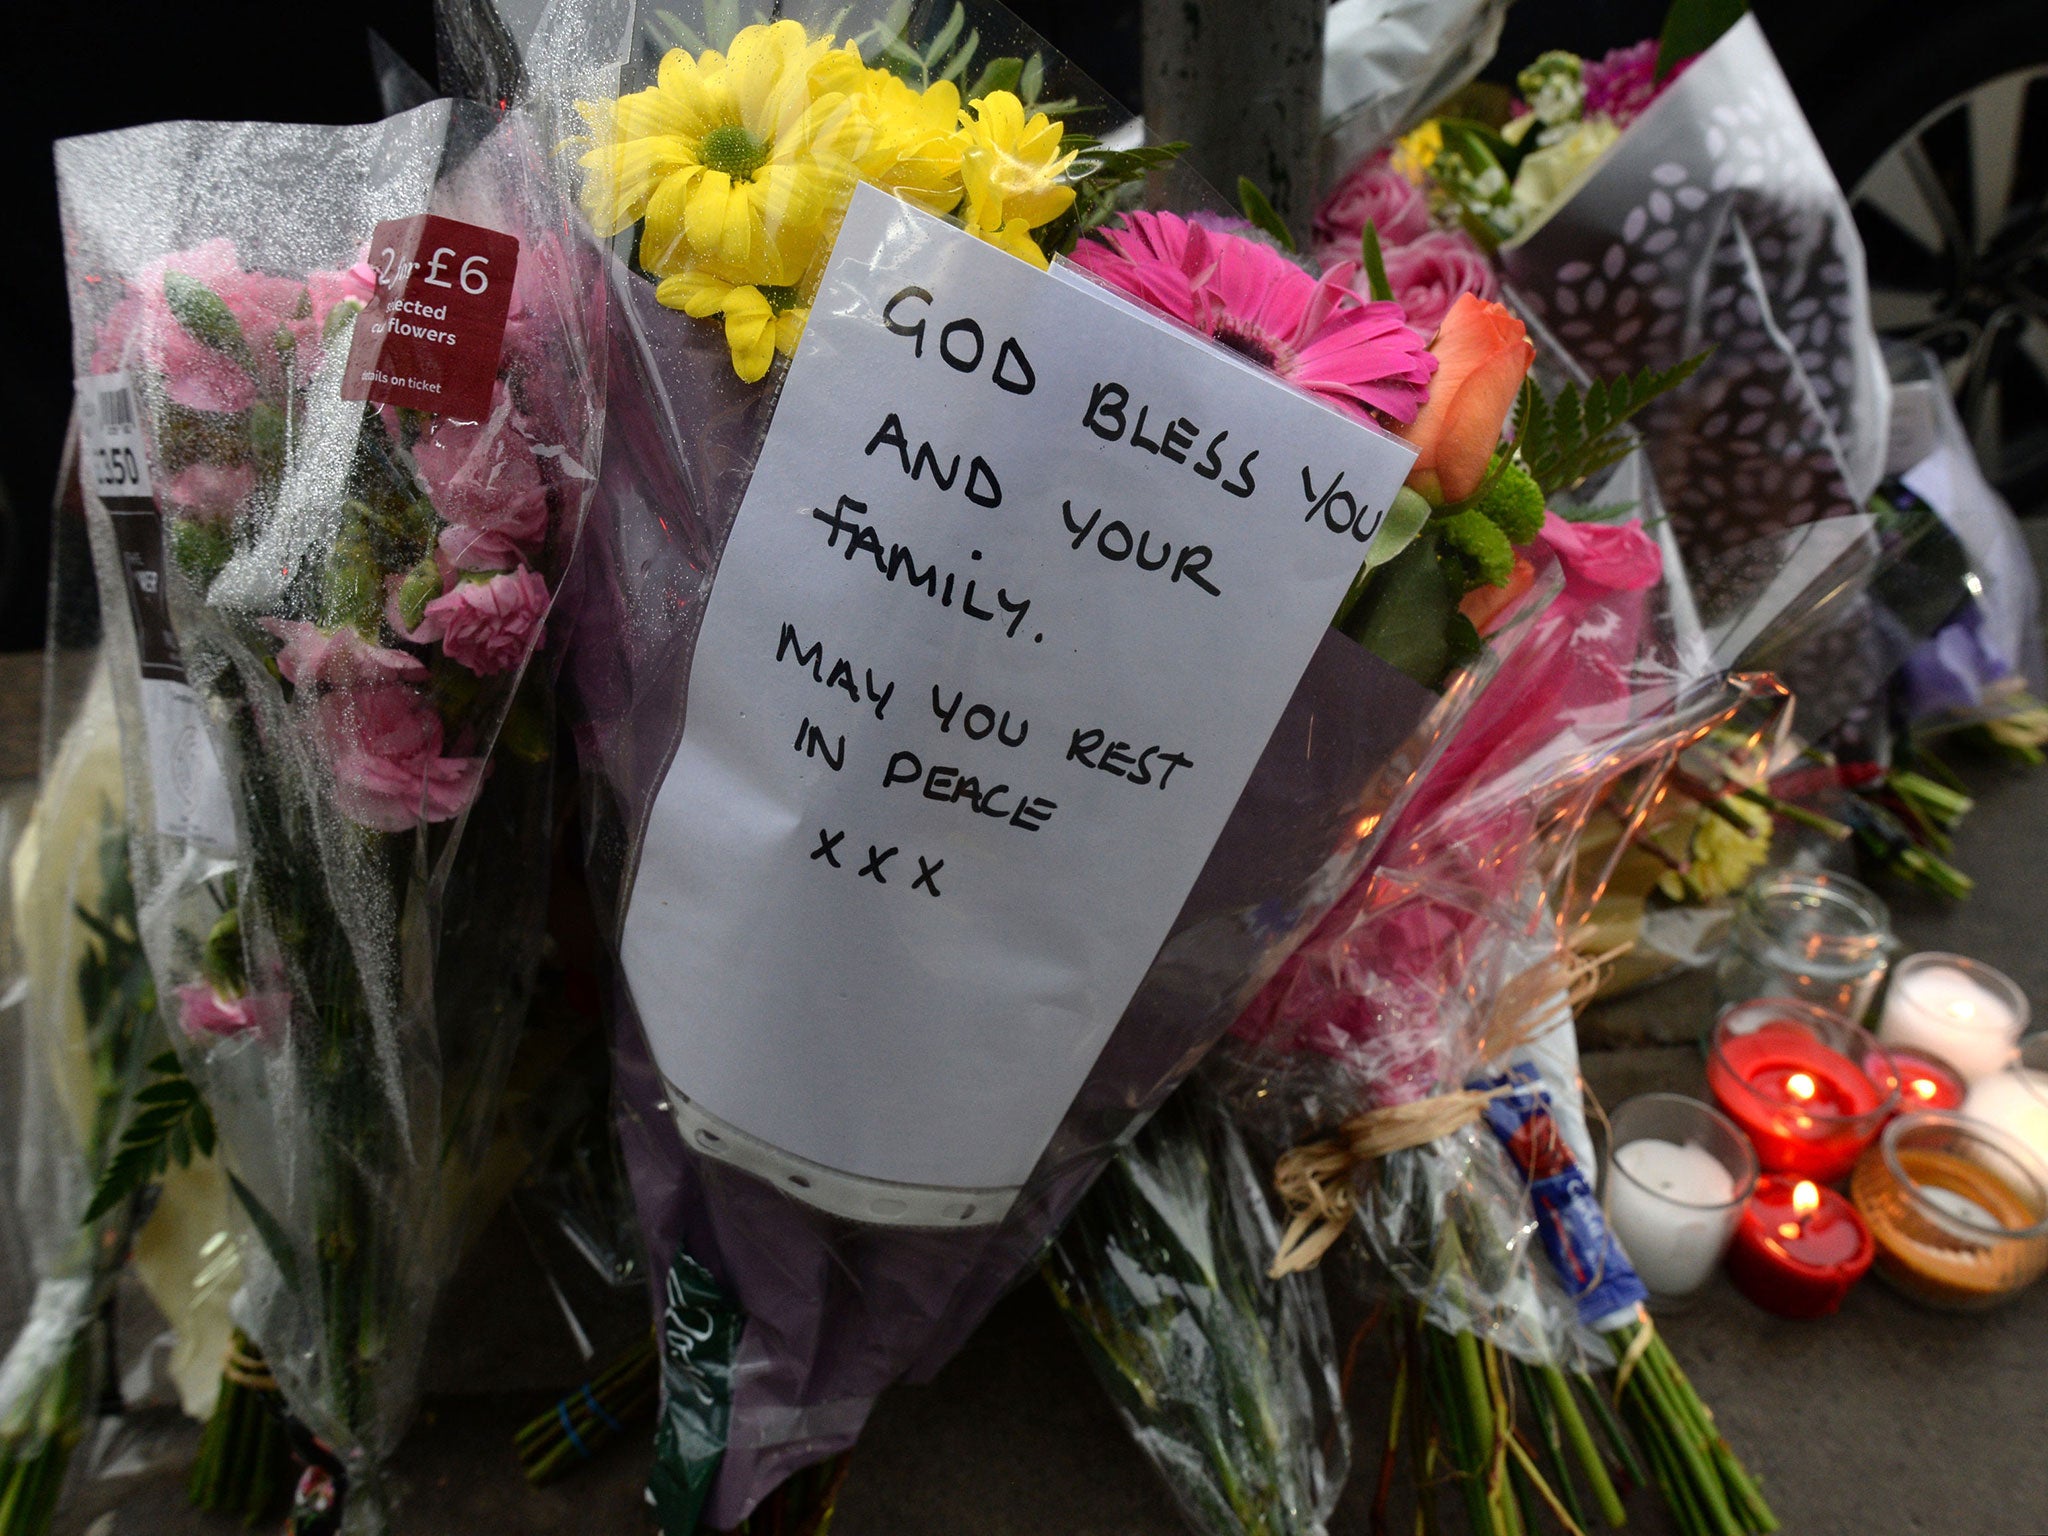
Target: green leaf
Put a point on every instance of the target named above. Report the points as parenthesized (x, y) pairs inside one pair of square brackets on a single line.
[(276, 1241), (1403, 616), (1375, 264), (1032, 81), (1564, 441), (997, 75), (957, 65), (169, 1122), (1694, 26), (1262, 213), (676, 32), (955, 24)]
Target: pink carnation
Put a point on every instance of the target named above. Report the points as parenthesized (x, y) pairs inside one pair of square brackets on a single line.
[(1624, 83), (144, 330), (1376, 194), (1617, 556), (463, 548), (384, 745), (204, 1011), (489, 625), (1428, 275), (1313, 332), (482, 474), (340, 658), (209, 490), (327, 290)]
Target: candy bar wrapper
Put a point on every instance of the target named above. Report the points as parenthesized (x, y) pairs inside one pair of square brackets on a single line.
[(1582, 1250), (944, 807), (1715, 222), (339, 406)]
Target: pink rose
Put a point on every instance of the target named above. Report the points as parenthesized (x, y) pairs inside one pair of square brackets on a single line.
[(1617, 556), (482, 474), (1624, 83), (204, 1011), (210, 490), (384, 745), (1428, 275), (490, 625), (1377, 194), (340, 658)]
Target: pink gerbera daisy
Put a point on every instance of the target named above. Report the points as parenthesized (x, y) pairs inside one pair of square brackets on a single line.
[(1314, 332)]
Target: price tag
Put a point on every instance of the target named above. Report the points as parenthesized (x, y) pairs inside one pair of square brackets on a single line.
[(430, 336), (114, 464), (188, 787)]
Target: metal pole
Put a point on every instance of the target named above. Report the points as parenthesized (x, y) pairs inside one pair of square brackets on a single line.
[(1241, 81)]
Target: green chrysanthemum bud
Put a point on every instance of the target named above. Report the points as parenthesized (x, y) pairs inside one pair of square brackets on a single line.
[(1483, 546), (221, 959), (1514, 502), (201, 550), (204, 316)]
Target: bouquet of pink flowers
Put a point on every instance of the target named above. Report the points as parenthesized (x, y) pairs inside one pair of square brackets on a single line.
[(337, 414)]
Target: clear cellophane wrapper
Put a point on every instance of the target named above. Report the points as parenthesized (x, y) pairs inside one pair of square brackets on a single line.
[(1227, 1380), (1714, 222), (1450, 956), (323, 637), (822, 1312)]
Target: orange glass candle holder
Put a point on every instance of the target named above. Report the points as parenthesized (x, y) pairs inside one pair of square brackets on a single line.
[(1958, 1213)]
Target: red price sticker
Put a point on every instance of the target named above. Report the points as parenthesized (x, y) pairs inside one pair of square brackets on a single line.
[(430, 336)]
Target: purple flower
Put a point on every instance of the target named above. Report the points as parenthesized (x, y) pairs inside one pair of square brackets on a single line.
[(1623, 84)]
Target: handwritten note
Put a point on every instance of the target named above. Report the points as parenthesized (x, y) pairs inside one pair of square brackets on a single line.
[(1017, 593)]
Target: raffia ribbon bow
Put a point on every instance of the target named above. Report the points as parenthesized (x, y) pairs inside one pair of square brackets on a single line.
[(1315, 1179)]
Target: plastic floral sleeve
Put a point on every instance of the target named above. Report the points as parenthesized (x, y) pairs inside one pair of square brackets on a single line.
[(1714, 221), (324, 622)]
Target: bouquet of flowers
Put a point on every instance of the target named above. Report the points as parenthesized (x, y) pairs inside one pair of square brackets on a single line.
[(339, 401), (873, 511), (1639, 206)]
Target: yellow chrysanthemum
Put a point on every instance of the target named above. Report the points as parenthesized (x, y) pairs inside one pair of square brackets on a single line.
[(728, 157), (904, 141), (1414, 153), (760, 321), (1012, 170)]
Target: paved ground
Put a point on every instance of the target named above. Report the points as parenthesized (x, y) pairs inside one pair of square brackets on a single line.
[(1884, 1419)]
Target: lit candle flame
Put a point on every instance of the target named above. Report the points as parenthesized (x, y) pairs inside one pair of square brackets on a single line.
[(1925, 1087), (1962, 1009), (1805, 1198), (1800, 1086)]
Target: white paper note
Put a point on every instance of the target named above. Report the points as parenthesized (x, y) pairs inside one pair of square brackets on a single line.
[(1017, 593)]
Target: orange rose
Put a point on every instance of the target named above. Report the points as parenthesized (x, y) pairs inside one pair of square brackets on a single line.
[(1482, 354)]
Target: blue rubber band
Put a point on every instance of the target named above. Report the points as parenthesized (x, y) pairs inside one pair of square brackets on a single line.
[(562, 1413), (597, 1408)]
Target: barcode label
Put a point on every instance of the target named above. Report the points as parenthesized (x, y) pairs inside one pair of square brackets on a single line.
[(113, 461)]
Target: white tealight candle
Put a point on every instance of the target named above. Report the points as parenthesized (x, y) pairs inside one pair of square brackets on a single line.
[(2015, 1102), (1672, 1207), (1938, 1005)]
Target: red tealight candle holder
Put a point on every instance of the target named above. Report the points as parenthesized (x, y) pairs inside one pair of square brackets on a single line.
[(1809, 1088), (1798, 1248), (1925, 1080)]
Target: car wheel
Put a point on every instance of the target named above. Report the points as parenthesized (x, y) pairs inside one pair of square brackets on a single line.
[(1954, 217)]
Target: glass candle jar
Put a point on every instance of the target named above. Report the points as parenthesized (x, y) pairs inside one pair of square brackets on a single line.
[(1959, 1215), (1678, 1177), (1968, 1014), (2016, 1100), (1809, 1088), (1810, 934)]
